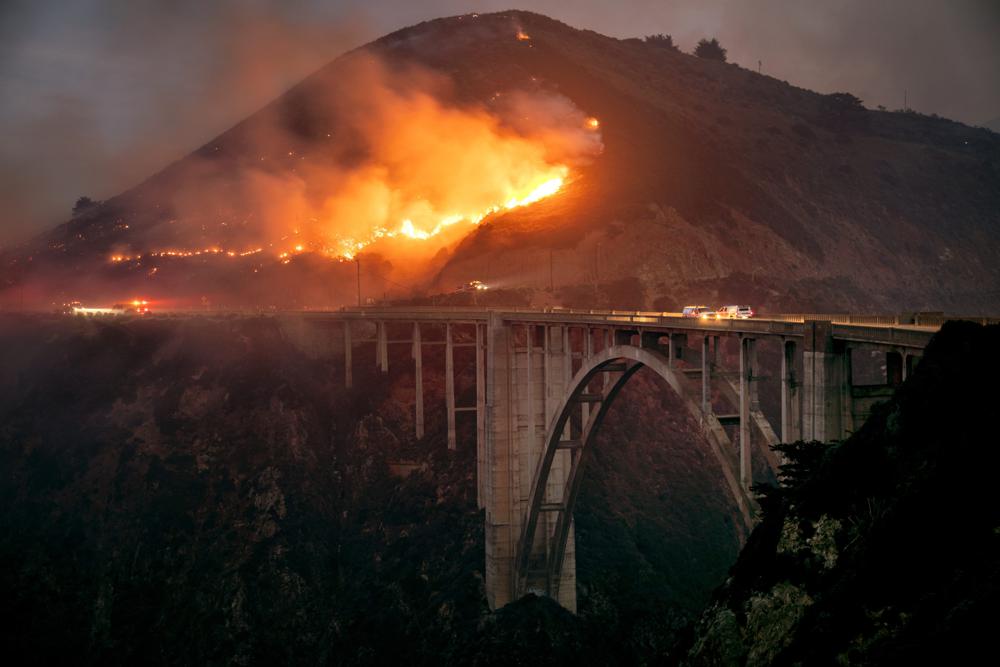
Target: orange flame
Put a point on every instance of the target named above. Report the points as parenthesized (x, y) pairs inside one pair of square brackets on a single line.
[(522, 36), (432, 170)]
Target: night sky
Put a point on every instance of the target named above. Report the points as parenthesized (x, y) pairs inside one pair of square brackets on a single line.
[(99, 94)]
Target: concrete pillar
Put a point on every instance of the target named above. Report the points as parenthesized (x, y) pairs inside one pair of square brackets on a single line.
[(449, 384), (676, 349), (748, 402), (418, 373), (503, 486), (522, 394), (894, 373), (846, 398), (706, 378), (567, 369), (482, 465), (381, 347), (823, 383), (348, 370), (588, 352), (791, 400), (527, 453)]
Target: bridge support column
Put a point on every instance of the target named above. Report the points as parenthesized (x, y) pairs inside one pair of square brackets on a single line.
[(449, 384), (348, 377), (482, 465), (824, 385), (846, 393), (523, 391), (381, 347), (791, 401), (706, 378), (588, 352), (418, 376), (503, 476), (748, 402), (557, 378)]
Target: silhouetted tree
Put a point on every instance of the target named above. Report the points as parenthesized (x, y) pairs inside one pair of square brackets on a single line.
[(710, 50), (842, 111), (661, 40), (83, 204)]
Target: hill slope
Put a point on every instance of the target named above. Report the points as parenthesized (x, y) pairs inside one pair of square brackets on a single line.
[(883, 549), (714, 183)]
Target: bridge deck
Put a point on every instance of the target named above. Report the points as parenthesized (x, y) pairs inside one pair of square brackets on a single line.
[(876, 329)]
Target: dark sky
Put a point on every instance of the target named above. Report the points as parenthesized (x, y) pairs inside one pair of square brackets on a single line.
[(99, 94)]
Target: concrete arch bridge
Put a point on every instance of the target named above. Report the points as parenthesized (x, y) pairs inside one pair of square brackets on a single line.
[(544, 380)]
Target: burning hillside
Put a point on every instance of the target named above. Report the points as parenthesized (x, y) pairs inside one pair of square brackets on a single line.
[(402, 160), (609, 170)]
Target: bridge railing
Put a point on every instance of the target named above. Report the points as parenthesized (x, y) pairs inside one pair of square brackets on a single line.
[(883, 335)]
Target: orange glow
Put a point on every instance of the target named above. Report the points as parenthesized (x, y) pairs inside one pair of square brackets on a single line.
[(523, 36), (115, 259), (428, 167), (593, 123)]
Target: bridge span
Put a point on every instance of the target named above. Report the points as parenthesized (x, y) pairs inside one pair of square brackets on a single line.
[(545, 379)]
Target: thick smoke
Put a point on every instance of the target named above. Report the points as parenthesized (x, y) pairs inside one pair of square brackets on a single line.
[(101, 93)]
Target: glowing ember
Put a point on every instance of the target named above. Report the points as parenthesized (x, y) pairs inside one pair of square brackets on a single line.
[(183, 253), (523, 36), (593, 123)]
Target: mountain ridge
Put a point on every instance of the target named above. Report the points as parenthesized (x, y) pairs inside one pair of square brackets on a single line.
[(712, 177)]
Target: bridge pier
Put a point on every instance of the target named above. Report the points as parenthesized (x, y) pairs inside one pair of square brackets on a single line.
[(748, 401), (481, 460), (418, 374), (348, 377), (381, 347), (706, 378), (449, 384), (791, 400), (525, 387), (826, 387)]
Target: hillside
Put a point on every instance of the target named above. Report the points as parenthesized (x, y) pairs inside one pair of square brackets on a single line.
[(883, 549), (710, 182), (199, 491)]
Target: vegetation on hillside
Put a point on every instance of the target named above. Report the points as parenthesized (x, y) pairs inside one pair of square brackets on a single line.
[(882, 549)]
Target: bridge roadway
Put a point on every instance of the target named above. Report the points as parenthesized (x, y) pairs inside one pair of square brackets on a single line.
[(545, 378)]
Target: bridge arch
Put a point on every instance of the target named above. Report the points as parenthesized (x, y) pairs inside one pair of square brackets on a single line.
[(573, 428)]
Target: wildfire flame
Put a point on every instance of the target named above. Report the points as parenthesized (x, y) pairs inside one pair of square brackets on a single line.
[(431, 168), (523, 36), (351, 246)]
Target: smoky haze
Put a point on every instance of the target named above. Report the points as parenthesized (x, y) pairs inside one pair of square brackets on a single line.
[(100, 94)]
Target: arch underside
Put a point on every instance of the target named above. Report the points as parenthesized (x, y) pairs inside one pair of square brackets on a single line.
[(539, 563)]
